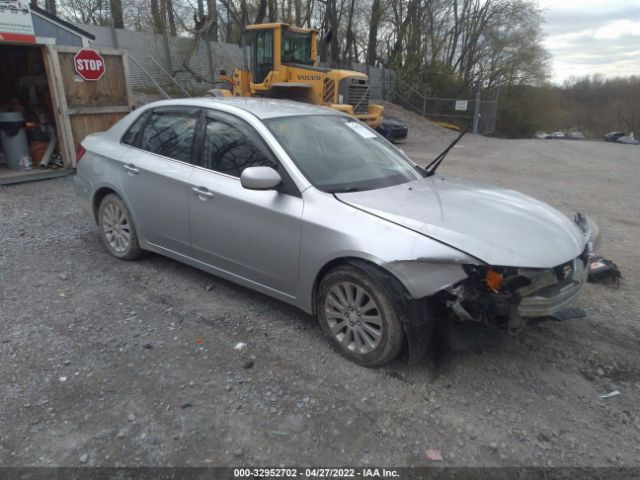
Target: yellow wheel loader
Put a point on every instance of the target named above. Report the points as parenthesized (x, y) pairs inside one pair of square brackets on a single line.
[(283, 63)]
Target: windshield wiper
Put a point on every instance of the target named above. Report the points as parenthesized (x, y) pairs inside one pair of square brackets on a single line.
[(433, 166)]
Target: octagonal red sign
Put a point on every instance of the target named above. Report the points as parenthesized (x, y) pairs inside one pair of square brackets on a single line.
[(89, 64)]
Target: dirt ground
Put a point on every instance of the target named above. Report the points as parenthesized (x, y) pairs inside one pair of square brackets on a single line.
[(114, 363)]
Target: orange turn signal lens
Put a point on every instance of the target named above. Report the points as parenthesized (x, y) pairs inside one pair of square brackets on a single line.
[(494, 280)]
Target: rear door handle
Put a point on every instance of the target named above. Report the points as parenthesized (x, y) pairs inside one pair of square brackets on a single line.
[(202, 193), (131, 169)]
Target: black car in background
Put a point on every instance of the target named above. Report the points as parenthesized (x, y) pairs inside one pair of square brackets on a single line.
[(393, 129)]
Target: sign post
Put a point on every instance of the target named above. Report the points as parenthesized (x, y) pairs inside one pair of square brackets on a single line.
[(16, 24), (89, 64)]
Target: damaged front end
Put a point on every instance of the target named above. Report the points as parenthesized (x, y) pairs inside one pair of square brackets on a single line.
[(469, 303), (508, 297)]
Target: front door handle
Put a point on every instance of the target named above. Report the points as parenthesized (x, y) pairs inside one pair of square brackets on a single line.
[(202, 193), (131, 169)]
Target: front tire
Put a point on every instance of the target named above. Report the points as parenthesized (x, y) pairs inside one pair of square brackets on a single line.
[(358, 315), (117, 230)]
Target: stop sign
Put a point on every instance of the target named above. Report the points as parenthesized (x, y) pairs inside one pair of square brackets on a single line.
[(89, 64)]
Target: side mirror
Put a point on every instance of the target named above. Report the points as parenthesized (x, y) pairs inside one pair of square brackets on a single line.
[(260, 178)]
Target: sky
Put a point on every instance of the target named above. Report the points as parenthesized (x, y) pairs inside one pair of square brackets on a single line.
[(592, 36)]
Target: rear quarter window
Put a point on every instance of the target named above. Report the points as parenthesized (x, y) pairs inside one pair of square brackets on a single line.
[(132, 135)]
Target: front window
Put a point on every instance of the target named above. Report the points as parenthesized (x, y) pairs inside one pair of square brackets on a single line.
[(341, 154), (228, 150), (296, 47)]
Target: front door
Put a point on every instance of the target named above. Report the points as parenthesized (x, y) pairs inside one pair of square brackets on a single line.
[(254, 235)]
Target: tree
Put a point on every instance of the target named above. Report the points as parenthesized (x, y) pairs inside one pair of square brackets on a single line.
[(116, 13), (171, 17), (374, 22), (51, 7)]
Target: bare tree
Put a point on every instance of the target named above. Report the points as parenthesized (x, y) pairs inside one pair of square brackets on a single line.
[(156, 17), (374, 22), (171, 17), (116, 13)]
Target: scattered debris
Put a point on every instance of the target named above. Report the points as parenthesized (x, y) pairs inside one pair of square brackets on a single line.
[(433, 455), (544, 438), (493, 446), (63, 276), (248, 364), (199, 340), (63, 379), (240, 346), (603, 270), (611, 394), (569, 313), (147, 346), (186, 405), (83, 458)]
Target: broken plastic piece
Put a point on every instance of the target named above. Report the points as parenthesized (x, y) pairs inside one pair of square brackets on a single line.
[(433, 455), (240, 346), (610, 394), (568, 313), (603, 270)]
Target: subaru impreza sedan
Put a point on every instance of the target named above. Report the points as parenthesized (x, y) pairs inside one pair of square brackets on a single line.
[(310, 206)]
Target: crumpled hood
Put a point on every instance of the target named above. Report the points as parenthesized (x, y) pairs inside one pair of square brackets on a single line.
[(498, 226)]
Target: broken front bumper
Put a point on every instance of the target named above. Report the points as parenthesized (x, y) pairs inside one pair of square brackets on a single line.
[(549, 300), (525, 293)]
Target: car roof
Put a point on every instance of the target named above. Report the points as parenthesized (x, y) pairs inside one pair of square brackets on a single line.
[(262, 108)]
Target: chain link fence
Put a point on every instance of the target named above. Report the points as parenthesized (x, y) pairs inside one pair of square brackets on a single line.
[(479, 112)]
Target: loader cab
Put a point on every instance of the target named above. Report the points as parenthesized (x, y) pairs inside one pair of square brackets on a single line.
[(273, 44)]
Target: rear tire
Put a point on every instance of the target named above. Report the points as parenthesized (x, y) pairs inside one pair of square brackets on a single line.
[(358, 315), (117, 230)]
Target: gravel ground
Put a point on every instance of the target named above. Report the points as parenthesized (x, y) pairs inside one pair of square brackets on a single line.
[(116, 363)]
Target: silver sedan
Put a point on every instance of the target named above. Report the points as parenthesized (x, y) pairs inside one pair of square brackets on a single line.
[(311, 207)]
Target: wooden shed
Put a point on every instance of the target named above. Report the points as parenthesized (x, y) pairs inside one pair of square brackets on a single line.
[(64, 88)]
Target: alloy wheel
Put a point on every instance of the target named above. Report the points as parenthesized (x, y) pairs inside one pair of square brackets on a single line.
[(116, 227), (353, 317)]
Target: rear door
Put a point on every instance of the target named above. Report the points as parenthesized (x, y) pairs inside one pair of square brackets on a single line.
[(155, 174), (250, 234)]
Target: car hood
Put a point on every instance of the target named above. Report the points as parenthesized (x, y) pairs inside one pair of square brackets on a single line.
[(501, 227)]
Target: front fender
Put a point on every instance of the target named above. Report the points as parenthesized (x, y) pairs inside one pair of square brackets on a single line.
[(333, 231)]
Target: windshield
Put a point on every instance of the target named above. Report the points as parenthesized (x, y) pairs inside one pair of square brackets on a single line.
[(296, 47), (340, 154)]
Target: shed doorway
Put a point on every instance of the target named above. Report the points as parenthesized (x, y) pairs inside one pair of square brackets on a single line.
[(29, 145)]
